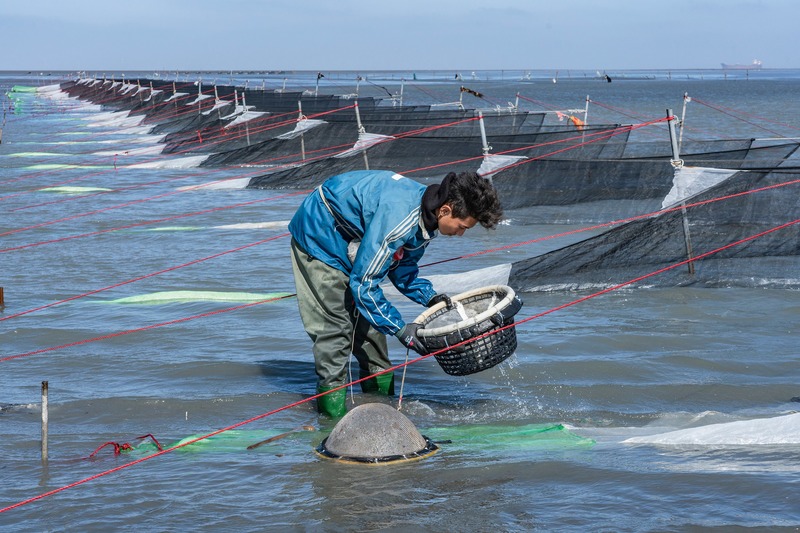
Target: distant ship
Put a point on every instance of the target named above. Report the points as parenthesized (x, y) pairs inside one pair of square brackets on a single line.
[(755, 65)]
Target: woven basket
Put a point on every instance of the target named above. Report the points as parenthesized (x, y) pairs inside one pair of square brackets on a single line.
[(484, 313)]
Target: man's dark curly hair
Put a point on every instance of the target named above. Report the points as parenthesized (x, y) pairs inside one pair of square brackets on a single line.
[(470, 195)]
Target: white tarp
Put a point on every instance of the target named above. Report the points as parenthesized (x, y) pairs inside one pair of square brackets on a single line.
[(365, 140), (757, 432), (304, 124), (244, 117), (492, 163), (689, 181)]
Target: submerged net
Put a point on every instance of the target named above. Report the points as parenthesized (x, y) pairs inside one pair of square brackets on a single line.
[(643, 246)]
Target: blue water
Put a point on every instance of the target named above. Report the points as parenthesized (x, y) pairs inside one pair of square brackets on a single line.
[(631, 363)]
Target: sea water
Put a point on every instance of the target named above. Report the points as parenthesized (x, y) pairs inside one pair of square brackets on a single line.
[(569, 434)]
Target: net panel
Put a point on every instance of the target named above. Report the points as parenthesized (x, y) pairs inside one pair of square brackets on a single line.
[(647, 245)]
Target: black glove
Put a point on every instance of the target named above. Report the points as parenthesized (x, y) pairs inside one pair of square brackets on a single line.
[(408, 336), (438, 298)]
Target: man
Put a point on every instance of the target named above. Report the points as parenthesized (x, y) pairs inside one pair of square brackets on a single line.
[(353, 231)]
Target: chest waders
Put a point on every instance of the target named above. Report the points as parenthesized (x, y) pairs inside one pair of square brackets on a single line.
[(332, 322)]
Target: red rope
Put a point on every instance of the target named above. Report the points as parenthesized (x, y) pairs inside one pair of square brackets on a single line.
[(398, 366), (617, 222), (148, 222), (572, 232), (80, 215), (180, 152), (132, 280), (145, 328), (119, 448), (738, 115)]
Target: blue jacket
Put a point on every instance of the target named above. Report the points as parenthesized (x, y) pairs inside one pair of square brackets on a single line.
[(382, 210)]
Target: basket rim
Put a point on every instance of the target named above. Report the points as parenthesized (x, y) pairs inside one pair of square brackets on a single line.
[(469, 322)]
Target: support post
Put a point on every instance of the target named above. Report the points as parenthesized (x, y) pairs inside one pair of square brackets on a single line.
[(484, 142), (514, 113), (402, 86), (246, 122), (686, 100), (302, 137), (586, 113), (677, 164), (44, 421), (360, 131)]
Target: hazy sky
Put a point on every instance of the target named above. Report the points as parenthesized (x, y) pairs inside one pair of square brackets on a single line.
[(401, 34)]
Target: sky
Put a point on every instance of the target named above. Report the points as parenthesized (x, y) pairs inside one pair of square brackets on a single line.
[(330, 35)]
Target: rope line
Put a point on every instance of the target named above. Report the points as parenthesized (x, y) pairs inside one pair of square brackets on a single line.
[(145, 328), (150, 222), (396, 367), (617, 222), (738, 115), (139, 278), (307, 160), (506, 247), (151, 160)]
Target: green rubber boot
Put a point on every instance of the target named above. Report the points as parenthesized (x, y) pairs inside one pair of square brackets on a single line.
[(333, 404), (383, 384)]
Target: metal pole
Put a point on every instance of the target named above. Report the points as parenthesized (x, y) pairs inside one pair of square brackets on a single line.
[(246, 122), (586, 113), (676, 158), (686, 100), (677, 164), (44, 421), (514, 112), (585, 119), (485, 143), (302, 137), (360, 131)]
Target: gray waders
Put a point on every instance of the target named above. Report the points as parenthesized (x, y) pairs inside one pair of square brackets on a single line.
[(331, 320)]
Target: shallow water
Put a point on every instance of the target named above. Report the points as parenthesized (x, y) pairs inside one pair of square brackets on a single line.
[(634, 362)]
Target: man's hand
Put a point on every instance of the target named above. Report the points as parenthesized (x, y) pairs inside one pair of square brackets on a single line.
[(408, 336), (438, 298)]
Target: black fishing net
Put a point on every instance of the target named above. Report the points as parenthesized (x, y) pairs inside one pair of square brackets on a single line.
[(341, 127), (642, 246), (429, 157), (330, 138), (567, 182)]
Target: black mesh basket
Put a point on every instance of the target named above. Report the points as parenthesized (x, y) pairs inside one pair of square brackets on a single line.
[(484, 313)]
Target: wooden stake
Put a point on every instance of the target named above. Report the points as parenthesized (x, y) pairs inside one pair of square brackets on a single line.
[(44, 421)]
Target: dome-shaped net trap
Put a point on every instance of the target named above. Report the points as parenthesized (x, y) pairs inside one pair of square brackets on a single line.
[(375, 433)]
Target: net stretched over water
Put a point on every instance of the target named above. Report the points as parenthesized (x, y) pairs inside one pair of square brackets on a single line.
[(435, 156), (598, 190), (248, 141), (643, 246)]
